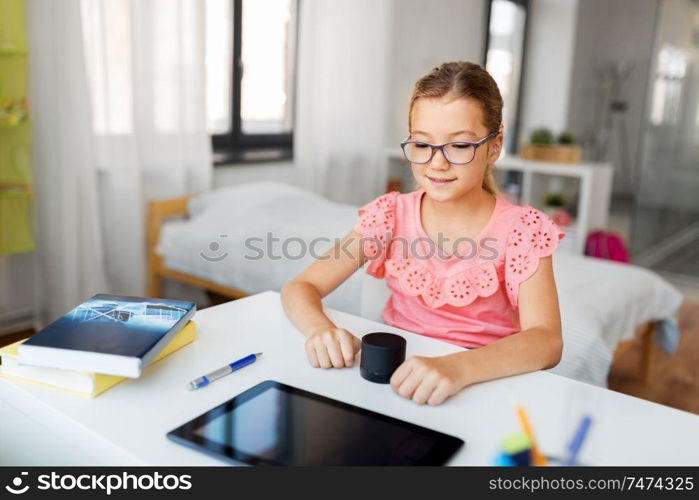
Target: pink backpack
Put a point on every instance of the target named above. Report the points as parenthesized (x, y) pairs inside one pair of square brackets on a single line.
[(606, 245)]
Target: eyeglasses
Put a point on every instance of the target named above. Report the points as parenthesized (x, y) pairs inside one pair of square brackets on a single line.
[(457, 153)]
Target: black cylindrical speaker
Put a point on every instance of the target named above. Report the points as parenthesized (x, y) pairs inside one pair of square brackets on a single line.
[(381, 354)]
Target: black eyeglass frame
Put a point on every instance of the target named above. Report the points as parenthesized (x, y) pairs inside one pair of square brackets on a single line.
[(440, 147)]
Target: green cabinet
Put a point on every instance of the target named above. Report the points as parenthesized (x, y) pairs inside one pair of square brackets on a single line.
[(15, 132)]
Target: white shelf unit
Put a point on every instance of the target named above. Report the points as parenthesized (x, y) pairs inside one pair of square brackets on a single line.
[(590, 184)]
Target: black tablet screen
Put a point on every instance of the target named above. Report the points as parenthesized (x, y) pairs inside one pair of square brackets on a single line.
[(276, 424)]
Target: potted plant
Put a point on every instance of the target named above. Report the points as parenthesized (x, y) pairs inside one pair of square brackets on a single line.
[(543, 147), (556, 209)]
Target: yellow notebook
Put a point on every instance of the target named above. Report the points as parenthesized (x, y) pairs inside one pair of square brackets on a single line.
[(78, 383)]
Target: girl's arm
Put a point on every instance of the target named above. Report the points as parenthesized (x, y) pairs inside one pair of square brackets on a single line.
[(327, 345), (537, 346)]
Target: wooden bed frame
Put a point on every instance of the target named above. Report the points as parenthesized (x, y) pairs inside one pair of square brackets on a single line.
[(159, 211)]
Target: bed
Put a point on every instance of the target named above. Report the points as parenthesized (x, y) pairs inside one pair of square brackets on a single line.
[(254, 237)]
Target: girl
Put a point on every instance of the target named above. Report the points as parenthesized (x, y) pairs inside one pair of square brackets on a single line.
[(463, 265)]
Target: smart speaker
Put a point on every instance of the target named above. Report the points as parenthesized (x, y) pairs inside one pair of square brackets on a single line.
[(382, 353)]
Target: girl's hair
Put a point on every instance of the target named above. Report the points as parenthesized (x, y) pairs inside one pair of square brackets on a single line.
[(464, 79)]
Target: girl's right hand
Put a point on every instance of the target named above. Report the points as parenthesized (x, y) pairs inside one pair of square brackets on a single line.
[(332, 348)]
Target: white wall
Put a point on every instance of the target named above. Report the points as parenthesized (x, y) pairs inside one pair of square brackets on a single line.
[(229, 175), (549, 66), (425, 33)]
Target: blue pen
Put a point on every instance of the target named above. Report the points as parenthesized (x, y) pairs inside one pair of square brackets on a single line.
[(222, 372), (578, 439)]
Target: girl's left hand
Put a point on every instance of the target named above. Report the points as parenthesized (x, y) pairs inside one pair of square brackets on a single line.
[(428, 380)]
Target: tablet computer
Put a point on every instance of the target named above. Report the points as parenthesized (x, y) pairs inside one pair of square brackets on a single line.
[(276, 424)]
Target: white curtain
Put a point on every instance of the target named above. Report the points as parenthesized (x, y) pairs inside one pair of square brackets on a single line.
[(69, 255), (118, 104), (145, 62), (341, 116)]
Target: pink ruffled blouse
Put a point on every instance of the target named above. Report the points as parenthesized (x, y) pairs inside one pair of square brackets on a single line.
[(469, 297)]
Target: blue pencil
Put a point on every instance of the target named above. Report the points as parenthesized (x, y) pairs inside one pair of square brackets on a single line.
[(578, 439)]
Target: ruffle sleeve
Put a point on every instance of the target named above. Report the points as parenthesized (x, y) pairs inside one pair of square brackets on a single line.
[(376, 223), (532, 237)]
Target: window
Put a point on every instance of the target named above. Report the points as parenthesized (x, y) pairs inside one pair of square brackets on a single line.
[(670, 74), (250, 74), (504, 59)]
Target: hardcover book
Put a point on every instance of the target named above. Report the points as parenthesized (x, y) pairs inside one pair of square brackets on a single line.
[(109, 334), (85, 384)]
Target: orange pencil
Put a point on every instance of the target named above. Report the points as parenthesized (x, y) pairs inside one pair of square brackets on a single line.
[(537, 457)]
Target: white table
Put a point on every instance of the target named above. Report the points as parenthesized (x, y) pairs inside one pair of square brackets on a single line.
[(127, 424)]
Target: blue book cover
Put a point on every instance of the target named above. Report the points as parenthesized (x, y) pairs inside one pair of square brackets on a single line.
[(111, 334)]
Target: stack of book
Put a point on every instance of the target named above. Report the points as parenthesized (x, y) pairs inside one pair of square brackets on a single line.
[(100, 343)]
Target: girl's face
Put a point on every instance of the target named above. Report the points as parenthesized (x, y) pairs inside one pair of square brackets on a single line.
[(437, 120)]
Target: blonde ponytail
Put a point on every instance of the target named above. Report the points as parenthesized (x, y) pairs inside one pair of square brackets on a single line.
[(489, 183)]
